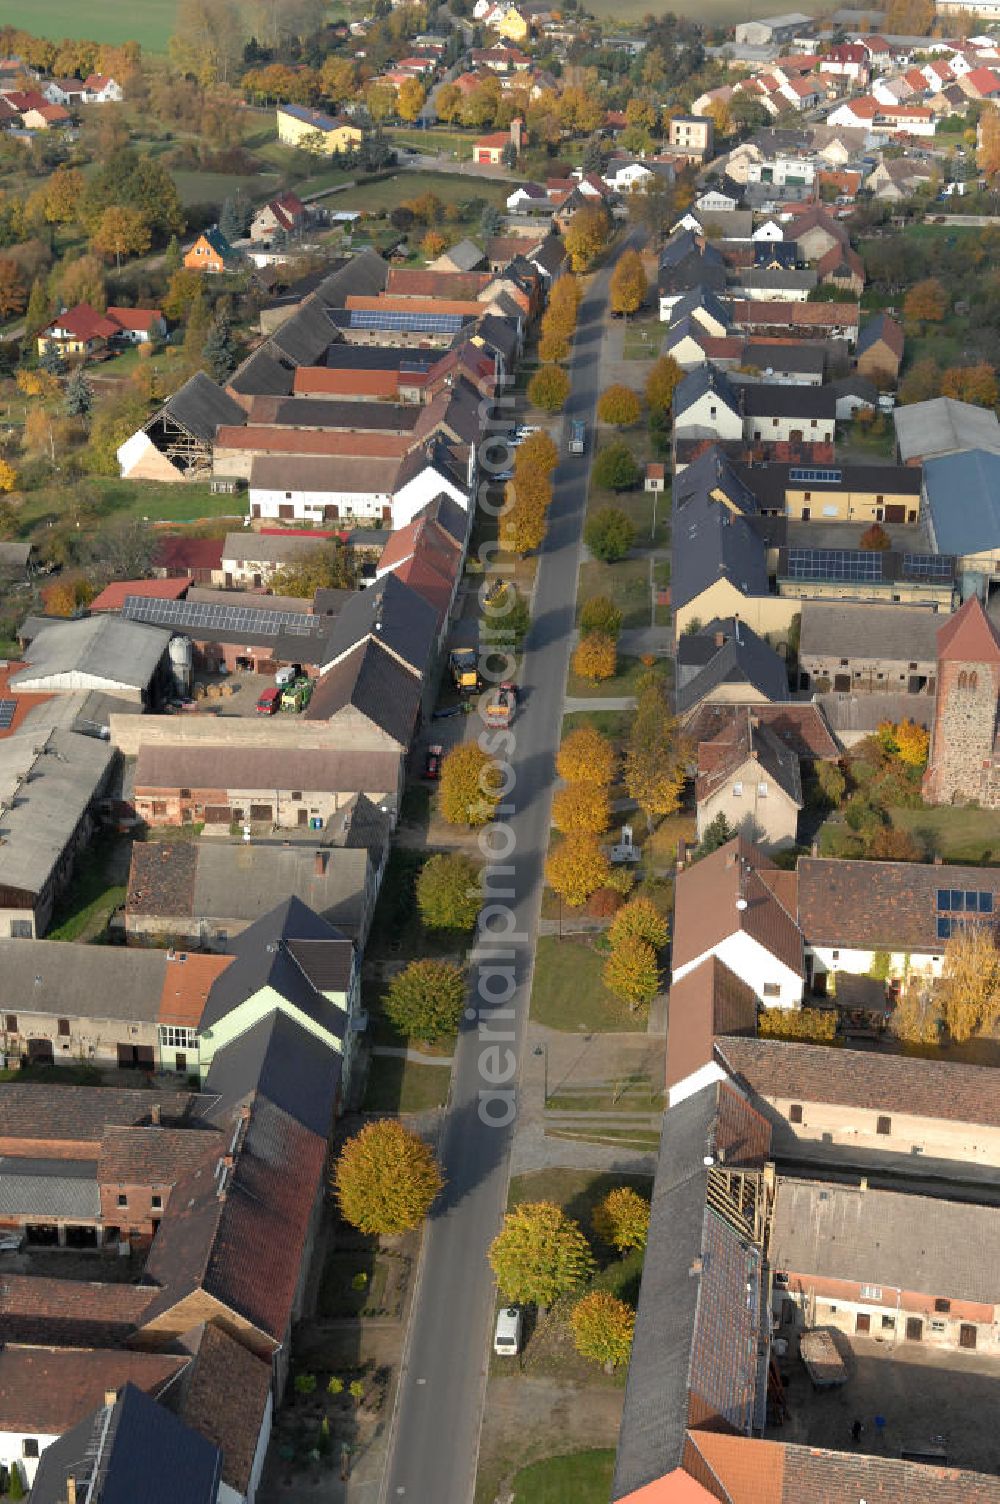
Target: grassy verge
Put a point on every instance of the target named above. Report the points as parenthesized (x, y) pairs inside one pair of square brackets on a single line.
[(567, 992), (610, 723), (579, 1478), (957, 835), (397, 1085), (641, 1140), (145, 501), (626, 583), (630, 671)]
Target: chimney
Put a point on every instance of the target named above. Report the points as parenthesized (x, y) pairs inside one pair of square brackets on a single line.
[(720, 639), (71, 1490), (696, 1267), (110, 1397), (227, 1161), (154, 1114), (863, 1183), (319, 863)]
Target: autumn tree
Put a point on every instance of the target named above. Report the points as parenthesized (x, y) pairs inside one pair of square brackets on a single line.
[(640, 918), (424, 1000), (586, 756), (916, 1017), (549, 388), (13, 290), (553, 345), (449, 893), (8, 477), (586, 236), (664, 375), (970, 980), (410, 99), (184, 288), (632, 972), (523, 522), (600, 614), (386, 1179), (921, 382), (82, 281), (618, 404), (609, 534), (621, 1219), (906, 740), (539, 1254), (603, 1328), (926, 302), (595, 657), (328, 566), (976, 384), (538, 454), (656, 755), (433, 245), (576, 868), (448, 103), (581, 808), (988, 154), (64, 195), (875, 539), (470, 783), (628, 283), (121, 232), (337, 79)]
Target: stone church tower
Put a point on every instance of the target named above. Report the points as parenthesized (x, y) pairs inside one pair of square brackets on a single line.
[(964, 760)]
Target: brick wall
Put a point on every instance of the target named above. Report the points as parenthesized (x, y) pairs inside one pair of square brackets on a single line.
[(962, 741)]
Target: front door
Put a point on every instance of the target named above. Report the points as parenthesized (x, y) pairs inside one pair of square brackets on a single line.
[(914, 1329), (966, 1335), (863, 1322)]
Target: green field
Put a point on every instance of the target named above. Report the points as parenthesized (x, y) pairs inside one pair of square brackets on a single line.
[(216, 187), (580, 1478), (150, 23), (450, 188)]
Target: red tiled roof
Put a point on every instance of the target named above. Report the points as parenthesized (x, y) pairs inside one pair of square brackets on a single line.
[(23, 702), (422, 577), (969, 636), (135, 318), (69, 1312), (187, 981), (709, 1000), (84, 322), (112, 597), (46, 1390), (706, 912), (177, 554), (323, 381)]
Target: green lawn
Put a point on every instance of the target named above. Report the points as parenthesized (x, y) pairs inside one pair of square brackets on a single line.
[(215, 187), (150, 23), (957, 835), (610, 723), (630, 671), (579, 1478), (438, 139), (567, 992), (92, 896), (643, 336), (151, 501), (450, 188), (627, 583), (397, 1085)]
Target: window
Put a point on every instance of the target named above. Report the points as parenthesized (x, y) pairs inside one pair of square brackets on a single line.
[(156, 1202), (835, 955), (942, 1306), (288, 495), (795, 1112), (296, 794), (888, 1323), (939, 1326), (762, 790), (844, 662), (10, 1023), (177, 1038), (884, 1125), (772, 989), (737, 790), (21, 929), (122, 1199), (29, 1447), (64, 1026), (871, 1292)]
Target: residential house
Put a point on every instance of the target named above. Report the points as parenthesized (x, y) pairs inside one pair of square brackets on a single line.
[(816, 232), (210, 253), (315, 131), (783, 412), (750, 778), (846, 60), (898, 178), (489, 150), (844, 493), (868, 649), (842, 267), (736, 905), (694, 135), (80, 330), (285, 213), (879, 350), (101, 88), (706, 403), (724, 663), (138, 326), (46, 117)]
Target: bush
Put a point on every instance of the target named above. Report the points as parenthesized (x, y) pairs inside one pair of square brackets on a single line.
[(425, 999), (449, 895), (619, 406), (305, 1383), (609, 534), (818, 1026)]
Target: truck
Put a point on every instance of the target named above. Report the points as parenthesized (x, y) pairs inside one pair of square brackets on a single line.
[(464, 665), (577, 436), (501, 705), (823, 1363), (295, 697)]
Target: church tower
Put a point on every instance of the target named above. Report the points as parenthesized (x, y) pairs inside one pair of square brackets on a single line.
[(964, 760)]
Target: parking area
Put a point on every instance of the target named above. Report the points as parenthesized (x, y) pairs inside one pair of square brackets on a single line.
[(934, 1398)]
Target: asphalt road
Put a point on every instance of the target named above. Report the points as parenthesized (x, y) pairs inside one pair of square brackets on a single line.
[(434, 1448)]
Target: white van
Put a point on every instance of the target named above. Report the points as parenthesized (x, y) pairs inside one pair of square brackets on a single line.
[(507, 1337), (287, 675)]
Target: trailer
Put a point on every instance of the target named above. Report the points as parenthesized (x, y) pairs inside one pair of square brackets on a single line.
[(464, 666), (821, 1356), (501, 705)]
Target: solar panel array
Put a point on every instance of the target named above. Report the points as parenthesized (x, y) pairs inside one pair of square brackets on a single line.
[(817, 475), (8, 709), (969, 905), (189, 616), (928, 566), (835, 564), (418, 322)]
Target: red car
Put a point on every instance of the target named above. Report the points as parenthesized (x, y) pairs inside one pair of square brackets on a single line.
[(269, 701), (432, 762)]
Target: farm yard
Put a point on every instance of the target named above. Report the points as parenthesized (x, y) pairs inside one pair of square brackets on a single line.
[(149, 23)]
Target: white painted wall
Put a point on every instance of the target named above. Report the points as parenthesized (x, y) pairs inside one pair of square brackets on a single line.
[(756, 965), (12, 1451), (310, 505)]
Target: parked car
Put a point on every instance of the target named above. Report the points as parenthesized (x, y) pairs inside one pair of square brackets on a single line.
[(432, 762), (507, 1336), (269, 700)]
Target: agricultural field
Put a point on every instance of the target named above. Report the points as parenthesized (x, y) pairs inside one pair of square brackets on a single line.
[(710, 12), (450, 188), (150, 23)]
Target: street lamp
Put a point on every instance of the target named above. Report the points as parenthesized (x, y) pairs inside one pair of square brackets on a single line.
[(543, 1050)]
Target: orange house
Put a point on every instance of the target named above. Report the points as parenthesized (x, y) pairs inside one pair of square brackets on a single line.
[(211, 252)]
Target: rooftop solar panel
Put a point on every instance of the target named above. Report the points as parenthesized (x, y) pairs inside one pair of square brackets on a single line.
[(190, 615), (928, 566), (8, 709), (416, 321), (835, 564), (815, 474)]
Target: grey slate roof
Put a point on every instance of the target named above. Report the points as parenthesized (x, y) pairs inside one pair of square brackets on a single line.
[(262, 958), (146, 1456), (104, 981), (304, 337), (403, 621), (806, 359), (55, 779), (40, 1189), (744, 658), (200, 407), (709, 542), (699, 297), (963, 497), (944, 426), (262, 373), (104, 651), (886, 1238), (702, 380), (366, 274), (761, 280), (779, 400), (466, 256), (849, 630), (370, 679), (280, 1059)]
